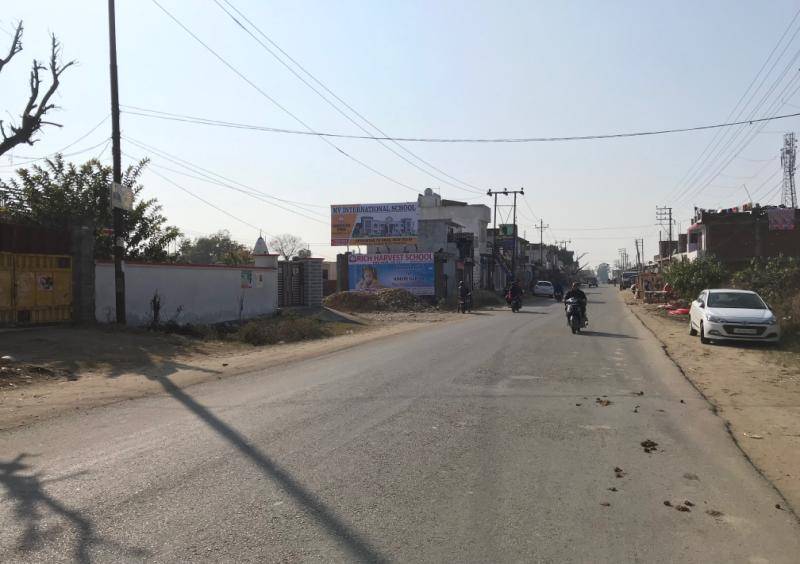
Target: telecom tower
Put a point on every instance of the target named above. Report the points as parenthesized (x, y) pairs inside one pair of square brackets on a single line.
[(787, 162)]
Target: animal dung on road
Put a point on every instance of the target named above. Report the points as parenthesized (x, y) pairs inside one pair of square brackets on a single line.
[(603, 402), (639, 393), (636, 409), (612, 489), (682, 508), (714, 513), (688, 503), (668, 503), (649, 446), (605, 504), (619, 472), (690, 476)]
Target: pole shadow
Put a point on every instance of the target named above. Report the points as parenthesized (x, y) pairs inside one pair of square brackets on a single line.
[(325, 517), (30, 501)]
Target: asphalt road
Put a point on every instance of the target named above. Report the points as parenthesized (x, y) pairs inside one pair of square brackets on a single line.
[(476, 441)]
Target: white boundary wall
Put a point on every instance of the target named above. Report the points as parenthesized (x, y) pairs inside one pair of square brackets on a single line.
[(204, 293)]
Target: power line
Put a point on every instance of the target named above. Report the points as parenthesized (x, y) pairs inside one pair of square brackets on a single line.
[(195, 167), (738, 103), (688, 193), (776, 106), (144, 112), (30, 160), (610, 228), (254, 193), (192, 194), (275, 102), (470, 188)]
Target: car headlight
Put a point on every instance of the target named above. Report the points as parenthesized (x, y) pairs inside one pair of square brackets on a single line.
[(772, 320), (715, 319)]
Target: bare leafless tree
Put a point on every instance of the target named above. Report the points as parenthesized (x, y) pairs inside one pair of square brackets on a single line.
[(31, 118), (287, 245)]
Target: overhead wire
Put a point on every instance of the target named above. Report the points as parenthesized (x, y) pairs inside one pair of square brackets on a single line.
[(737, 150), (468, 188), (200, 198), (276, 103), (156, 114), (29, 160), (709, 164), (738, 103), (261, 196), (193, 166)]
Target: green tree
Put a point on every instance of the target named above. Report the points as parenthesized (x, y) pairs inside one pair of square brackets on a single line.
[(690, 278), (218, 248), (776, 279), (58, 194)]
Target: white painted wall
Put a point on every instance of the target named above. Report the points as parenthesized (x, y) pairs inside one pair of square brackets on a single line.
[(206, 293)]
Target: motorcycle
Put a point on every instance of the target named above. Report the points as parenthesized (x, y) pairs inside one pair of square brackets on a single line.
[(514, 303), (465, 304), (574, 317)]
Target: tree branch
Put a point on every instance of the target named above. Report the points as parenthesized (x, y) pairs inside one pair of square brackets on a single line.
[(16, 46), (35, 108)]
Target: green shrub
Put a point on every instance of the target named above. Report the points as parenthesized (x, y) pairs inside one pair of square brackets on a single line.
[(688, 279), (777, 280)]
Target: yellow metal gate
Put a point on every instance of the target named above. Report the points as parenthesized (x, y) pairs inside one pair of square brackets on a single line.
[(35, 288)]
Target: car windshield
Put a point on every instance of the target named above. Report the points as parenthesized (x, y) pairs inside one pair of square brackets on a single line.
[(735, 300)]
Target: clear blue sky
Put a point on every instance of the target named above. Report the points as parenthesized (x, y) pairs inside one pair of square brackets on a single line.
[(440, 69)]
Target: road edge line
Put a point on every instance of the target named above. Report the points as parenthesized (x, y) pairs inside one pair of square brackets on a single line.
[(715, 410)]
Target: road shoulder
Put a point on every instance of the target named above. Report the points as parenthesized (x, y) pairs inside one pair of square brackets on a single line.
[(112, 382), (755, 390)]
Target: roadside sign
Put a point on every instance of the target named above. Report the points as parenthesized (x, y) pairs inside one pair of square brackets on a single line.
[(121, 196)]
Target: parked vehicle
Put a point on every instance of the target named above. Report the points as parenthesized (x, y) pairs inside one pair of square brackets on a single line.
[(732, 315), (628, 278), (592, 283), (574, 318), (543, 288)]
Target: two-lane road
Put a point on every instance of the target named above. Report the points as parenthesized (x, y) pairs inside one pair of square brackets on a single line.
[(485, 440)]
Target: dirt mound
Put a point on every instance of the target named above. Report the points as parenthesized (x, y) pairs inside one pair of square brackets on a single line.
[(387, 299)]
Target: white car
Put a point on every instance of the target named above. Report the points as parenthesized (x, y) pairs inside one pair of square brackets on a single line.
[(543, 288), (732, 315)]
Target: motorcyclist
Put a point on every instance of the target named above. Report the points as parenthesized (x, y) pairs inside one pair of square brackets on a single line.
[(463, 295), (577, 293), (558, 290)]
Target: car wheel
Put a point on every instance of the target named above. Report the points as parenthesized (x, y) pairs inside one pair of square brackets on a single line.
[(703, 338), (692, 330)]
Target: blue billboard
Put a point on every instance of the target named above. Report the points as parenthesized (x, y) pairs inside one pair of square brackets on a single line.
[(409, 271)]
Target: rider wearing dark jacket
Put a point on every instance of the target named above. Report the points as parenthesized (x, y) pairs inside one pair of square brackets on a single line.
[(578, 294), (515, 291)]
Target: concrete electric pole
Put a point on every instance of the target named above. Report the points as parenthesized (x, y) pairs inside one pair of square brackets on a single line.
[(116, 152)]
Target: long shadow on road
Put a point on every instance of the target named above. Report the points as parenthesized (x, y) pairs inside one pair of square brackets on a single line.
[(359, 547), (604, 334), (30, 501)]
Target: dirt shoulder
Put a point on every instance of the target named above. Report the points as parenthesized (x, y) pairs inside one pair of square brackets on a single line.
[(62, 369), (755, 389)]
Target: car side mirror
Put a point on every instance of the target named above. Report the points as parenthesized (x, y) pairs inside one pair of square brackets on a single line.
[(702, 305)]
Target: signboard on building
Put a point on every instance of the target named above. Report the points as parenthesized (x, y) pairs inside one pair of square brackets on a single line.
[(410, 271), (374, 224)]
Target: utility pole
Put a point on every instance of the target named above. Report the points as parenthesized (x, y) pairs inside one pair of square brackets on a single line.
[(541, 228), (119, 275), (664, 214), (494, 241), (506, 192)]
